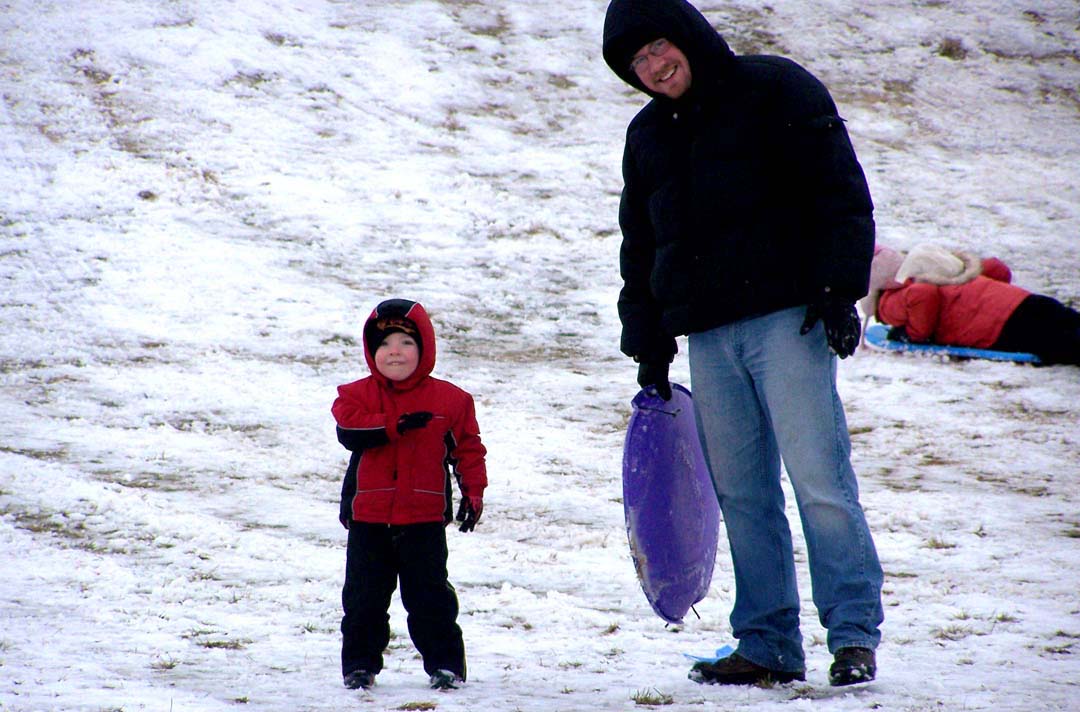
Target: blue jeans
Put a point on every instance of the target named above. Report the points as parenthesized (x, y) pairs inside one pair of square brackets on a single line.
[(762, 392)]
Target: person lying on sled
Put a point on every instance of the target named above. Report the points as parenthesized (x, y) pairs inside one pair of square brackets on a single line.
[(934, 295)]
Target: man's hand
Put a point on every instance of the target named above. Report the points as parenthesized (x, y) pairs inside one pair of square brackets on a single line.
[(842, 328), (413, 421), (655, 374), (469, 512)]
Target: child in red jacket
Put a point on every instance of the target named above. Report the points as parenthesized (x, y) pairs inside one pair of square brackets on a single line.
[(933, 295), (411, 435)]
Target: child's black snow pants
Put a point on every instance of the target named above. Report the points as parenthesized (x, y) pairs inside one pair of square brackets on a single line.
[(378, 556), (1045, 327)]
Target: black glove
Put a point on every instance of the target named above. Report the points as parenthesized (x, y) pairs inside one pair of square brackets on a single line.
[(469, 512), (655, 373), (842, 328), (898, 333), (413, 421), (348, 489)]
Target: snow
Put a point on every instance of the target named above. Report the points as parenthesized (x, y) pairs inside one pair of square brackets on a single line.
[(200, 201)]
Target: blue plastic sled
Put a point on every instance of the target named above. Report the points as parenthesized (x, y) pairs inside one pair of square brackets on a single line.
[(672, 514), (721, 653), (877, 335)]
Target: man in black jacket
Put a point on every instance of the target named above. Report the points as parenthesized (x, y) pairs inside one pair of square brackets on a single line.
[(748, 226)]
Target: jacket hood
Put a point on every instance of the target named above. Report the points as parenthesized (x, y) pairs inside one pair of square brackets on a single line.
[(631, 24), (414, 312), (935, 264)]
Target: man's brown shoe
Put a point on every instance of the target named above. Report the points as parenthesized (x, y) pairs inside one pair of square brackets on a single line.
[(737, 670)]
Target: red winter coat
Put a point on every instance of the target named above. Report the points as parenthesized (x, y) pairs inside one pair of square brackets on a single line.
[(407, 479), (970, 314)]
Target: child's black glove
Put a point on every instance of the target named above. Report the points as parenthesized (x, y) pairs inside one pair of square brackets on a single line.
[(348, 488), (655, 374), (842, 328), (469, 512), (413, 421), (898, 333)]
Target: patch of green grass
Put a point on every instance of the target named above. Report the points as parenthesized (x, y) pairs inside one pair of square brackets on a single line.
[(938, 543), (809, 692), (249, 79), (166, 663), (561, 81), (67, 532), (930, 458), (652, 698), (339, 339), (516, 622), (281, 40), (55, 455), (953, 632), (224, 644), (899, 89), (952, 48)]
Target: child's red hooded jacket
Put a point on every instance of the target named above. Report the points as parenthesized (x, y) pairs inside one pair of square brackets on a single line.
[(407, 478)]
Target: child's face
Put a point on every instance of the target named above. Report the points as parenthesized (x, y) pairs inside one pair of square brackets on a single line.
[(397, 356)]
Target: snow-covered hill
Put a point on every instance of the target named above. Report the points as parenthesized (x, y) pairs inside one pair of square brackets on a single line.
[(201, 200)]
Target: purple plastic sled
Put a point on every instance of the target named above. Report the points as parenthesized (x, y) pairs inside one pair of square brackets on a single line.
[(672, 514)]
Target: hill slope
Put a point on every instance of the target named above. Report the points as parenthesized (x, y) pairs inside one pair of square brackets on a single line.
[(202, 200)]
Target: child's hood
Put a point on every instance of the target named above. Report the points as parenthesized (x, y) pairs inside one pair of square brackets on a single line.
[(393, 309)]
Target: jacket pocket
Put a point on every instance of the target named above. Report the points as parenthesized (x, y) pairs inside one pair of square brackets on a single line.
[(374, 505)]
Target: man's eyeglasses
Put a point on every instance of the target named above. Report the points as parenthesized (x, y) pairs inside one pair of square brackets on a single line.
[(655, 48)]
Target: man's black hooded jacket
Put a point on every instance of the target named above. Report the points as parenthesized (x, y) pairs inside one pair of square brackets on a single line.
[(741, 198)]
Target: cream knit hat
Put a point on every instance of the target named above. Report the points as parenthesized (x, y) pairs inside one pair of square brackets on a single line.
[(883, 275)]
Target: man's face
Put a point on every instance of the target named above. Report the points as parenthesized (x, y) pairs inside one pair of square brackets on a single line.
[(662, 68)]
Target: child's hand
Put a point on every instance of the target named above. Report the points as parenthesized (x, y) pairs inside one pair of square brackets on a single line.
[(898, 333), (413, 421), (469, 512)]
